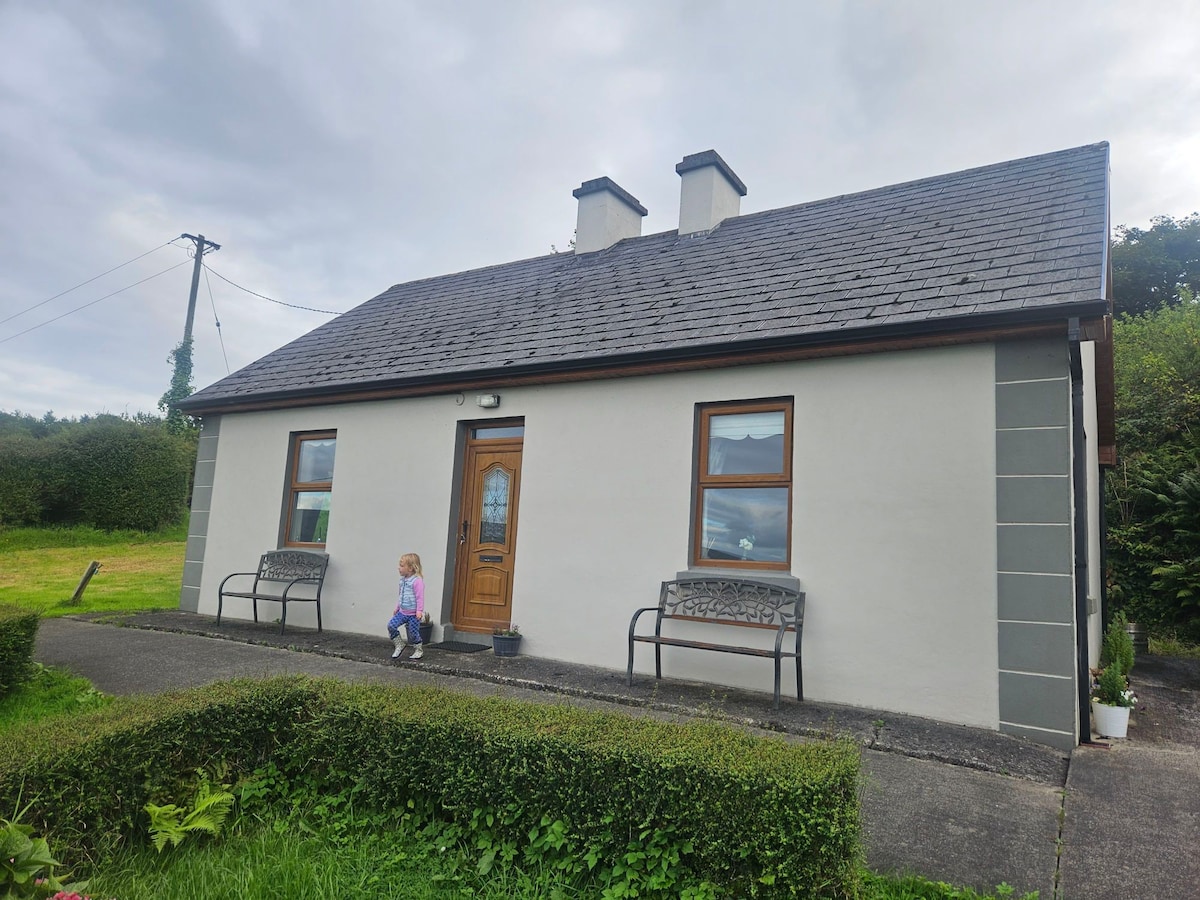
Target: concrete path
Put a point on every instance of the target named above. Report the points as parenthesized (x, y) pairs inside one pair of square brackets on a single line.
[(935, 802)]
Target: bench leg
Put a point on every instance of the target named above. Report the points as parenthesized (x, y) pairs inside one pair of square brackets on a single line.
[(283, 616), (629, 671), (254, 602), (318, 615), (658, 661), (220, 603), (799, 681), (778, 672)]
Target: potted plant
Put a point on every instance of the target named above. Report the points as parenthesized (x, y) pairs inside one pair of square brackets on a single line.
[(1117, 647), (1111, 702), (506, 640), (426, 626)]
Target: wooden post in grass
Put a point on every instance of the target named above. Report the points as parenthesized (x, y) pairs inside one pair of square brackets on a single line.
[(83, 583)]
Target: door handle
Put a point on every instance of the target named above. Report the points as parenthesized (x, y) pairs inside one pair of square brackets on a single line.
[(462, 538)]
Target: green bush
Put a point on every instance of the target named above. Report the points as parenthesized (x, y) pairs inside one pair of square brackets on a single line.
[(18, 628), (105, 471), (624, 800), (22, 461), (1116, 652)]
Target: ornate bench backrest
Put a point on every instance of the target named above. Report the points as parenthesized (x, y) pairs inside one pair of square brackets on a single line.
[(288, 565), (737, 601)]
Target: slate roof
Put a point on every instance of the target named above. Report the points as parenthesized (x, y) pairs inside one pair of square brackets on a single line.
[(1019, 241)]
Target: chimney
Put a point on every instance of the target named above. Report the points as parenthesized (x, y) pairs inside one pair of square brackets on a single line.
[(709, 192), (607, 214)]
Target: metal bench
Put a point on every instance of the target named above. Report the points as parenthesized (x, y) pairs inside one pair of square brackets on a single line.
[(278, 572), (726, 601)]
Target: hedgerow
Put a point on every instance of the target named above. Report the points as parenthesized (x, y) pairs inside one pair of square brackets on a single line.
[(18, 628), (614, 799)]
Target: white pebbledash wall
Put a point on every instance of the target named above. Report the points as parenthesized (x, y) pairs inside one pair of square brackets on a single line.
[(894, 506)]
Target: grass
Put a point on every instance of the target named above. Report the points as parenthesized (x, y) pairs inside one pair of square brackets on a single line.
[(42, 568), (285, 858), (1173, 646), (50, 692), (263, 862)]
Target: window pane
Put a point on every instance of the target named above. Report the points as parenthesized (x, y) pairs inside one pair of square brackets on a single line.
[(493, 528), (746, 444), (316, 460), (745, 523), (495, 432), (310, 517)]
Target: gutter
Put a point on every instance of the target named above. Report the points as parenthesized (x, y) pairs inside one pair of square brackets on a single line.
[(1080, 522)]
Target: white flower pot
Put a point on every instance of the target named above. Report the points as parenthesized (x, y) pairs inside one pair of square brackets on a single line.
[(1111, 721)]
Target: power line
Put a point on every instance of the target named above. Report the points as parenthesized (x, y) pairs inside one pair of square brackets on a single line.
[(82, 283), (220, 337), (94, 302), (328, 312)]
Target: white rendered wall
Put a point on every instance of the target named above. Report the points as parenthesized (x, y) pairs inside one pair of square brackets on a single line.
[(894, 505)]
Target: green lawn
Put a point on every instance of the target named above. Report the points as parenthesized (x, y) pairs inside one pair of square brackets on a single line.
[(41, 567), (50, 692)]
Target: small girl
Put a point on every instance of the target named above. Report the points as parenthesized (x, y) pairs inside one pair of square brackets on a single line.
[(410, 609)]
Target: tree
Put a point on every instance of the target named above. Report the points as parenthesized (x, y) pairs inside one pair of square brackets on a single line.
[(1158, 266), (1153, 495)]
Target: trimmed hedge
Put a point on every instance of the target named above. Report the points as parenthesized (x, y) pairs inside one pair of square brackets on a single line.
[(18, 628), (755, 816)]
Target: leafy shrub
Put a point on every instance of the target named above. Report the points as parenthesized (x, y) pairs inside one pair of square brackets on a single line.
[(1116, 652), (105, 471), (642, 807), (22, 460), (26, 867), (18, 628)]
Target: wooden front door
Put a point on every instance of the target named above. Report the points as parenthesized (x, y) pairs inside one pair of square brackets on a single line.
[(487, 535)]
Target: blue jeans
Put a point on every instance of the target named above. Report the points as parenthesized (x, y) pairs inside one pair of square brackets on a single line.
[(410, 622)]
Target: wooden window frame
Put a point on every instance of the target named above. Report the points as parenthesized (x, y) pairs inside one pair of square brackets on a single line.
[(295, 486), (704, 481)]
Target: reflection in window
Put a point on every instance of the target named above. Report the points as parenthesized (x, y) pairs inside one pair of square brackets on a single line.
[(493, 527), (744, 485), (311, 489), (745, 524)]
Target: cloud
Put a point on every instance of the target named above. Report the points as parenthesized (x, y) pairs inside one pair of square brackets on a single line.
[(335, 150)]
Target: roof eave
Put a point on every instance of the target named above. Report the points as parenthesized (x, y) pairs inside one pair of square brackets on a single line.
[(454, 381)]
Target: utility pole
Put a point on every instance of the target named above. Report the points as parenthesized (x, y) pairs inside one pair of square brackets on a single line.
[(181, 356), (201, 248)]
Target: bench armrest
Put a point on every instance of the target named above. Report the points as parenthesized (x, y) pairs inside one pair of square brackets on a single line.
[(644, 609), (232, 575), (306, 580)]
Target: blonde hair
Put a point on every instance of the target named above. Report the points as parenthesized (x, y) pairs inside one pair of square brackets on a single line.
[(413, 561)]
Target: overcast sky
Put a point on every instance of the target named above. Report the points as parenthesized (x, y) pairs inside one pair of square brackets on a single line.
[(333, 149)]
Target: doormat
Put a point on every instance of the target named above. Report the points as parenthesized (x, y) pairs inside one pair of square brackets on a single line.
[(458, 647)]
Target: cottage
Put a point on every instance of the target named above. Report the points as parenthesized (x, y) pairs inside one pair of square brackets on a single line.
[(899, 401)]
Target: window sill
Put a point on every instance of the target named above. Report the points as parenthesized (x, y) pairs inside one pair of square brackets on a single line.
[(777, 578)]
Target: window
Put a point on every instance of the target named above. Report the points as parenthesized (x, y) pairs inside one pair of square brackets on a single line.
[(311, 486), (744, 485)]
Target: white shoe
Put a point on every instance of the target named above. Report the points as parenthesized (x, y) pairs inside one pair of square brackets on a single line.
[(418, 652), (400, 642)]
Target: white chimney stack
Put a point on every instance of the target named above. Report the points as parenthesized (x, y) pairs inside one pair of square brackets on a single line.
[(607, 214), (709, 192)]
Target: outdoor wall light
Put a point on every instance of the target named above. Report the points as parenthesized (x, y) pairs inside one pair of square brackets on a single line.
[(487, 401)]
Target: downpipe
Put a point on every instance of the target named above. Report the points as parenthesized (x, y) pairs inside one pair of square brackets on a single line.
[(1080, 522)]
